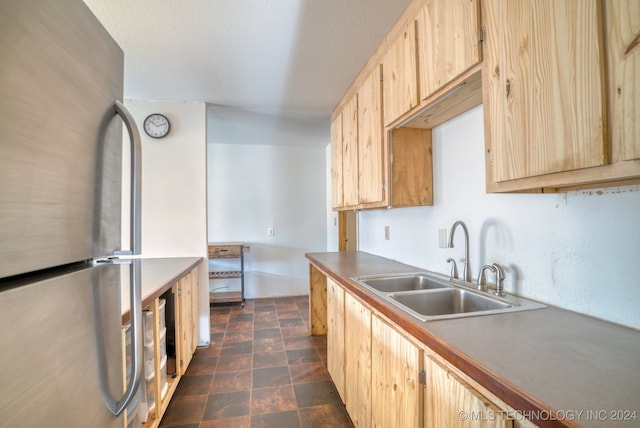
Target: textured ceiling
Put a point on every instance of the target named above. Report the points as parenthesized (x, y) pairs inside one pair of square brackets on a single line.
[(271, 70)]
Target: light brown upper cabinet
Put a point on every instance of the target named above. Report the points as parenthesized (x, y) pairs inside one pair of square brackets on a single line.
[(350, 153), (337, 200), (400, 71), (561, 94), (622, 35), (370, 140), (370, 169), (344, 157), (545, 85), (448, 42)]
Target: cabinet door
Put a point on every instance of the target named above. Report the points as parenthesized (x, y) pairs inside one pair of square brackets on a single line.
[(358, 361), (335, 336), (370, 140), (622, 27), (411, 167), (400, 71), (447, 42), (396, 399), (448, 396), (544, 96), (336, 163), (186, 292), (350, 152)]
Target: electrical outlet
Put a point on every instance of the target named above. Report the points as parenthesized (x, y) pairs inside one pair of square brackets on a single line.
[(386, 233), (442, 238)]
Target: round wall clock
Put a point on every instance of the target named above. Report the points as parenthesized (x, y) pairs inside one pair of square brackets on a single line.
[(156, 125)]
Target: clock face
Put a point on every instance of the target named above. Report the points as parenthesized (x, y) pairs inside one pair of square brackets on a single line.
[(156, 125)]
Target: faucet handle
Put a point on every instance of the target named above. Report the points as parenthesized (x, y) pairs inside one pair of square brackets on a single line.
[(454, 268), (499, 280), (482, 282)]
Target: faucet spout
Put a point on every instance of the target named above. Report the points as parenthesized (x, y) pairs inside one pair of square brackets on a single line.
[(467, 267)]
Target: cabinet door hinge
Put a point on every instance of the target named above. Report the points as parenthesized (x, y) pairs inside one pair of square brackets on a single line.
[(481, 34), (423, 377)]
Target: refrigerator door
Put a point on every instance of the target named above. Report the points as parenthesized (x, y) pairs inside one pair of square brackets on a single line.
[(52, 332), (61, 162)]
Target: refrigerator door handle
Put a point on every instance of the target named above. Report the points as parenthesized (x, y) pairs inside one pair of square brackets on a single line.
[(133, 383), (136, 179)]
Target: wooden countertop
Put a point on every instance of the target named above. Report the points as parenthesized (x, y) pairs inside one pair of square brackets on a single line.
[(582, 370), (158, 275)]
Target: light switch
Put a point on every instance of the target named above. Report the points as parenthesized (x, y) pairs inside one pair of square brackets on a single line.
[(442, 238), (270, 231)]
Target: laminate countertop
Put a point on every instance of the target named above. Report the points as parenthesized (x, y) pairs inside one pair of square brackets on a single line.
[(566, 368), (157, 276)]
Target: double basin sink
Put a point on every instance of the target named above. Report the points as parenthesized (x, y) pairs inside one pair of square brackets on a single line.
[(429, 297)]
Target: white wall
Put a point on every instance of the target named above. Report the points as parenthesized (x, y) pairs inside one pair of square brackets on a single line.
[(174, 222), (577, 250), (255, 187)]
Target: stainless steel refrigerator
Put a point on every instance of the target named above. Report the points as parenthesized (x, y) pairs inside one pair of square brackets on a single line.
[(61, 155)]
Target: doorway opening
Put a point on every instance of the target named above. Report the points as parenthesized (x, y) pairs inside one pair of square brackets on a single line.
[(347, 231)]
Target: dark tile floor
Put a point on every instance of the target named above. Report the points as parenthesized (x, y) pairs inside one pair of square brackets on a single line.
[(261, 370)]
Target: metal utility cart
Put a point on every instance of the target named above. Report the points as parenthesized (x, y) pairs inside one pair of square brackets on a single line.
[(229, 264)]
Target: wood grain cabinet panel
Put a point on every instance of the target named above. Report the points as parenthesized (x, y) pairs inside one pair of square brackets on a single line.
[(400, 71), (622, 34), (545, 86), (370, 169), (350, 153), (335, 336), (337, 200), (448, 42), (358, 361), (451, 402), (186, 296), (411, 167), (371, 153), (395, 367)]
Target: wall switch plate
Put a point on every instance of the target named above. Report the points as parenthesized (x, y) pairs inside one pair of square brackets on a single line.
[(386, 233), (270, 231), (442, 238)]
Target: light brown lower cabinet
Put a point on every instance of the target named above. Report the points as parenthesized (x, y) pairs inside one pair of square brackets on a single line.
[(186, 297), (395, 371), (386, 378), (452, 402), (335, 336), (358, 361), (182, 324)]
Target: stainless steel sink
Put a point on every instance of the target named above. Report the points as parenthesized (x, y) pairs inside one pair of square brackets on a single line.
[(403, 282), (428, 296), (445, 302)]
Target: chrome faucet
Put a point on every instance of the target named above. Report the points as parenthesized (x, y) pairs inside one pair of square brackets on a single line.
[(482, 282), (467, 268), (454, 269), (499, 280)]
